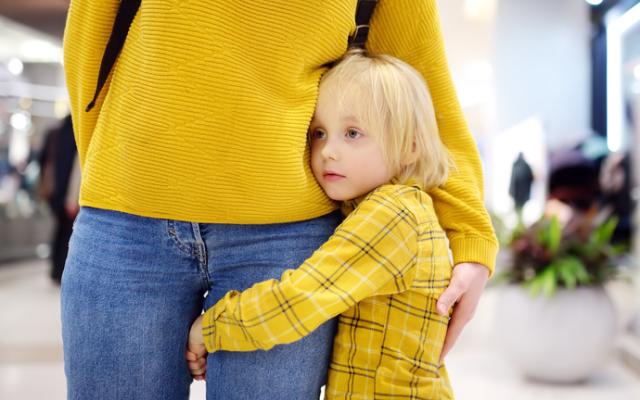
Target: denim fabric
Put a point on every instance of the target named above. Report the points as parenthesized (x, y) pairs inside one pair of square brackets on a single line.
[(133, 285)]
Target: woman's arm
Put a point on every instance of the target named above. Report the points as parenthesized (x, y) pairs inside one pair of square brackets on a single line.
[(373, 252), (410, 30), (89, 24)]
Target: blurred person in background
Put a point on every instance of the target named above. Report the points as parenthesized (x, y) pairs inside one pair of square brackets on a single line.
[(588, 179), (195, 179), (59, 186), (520, 185), (615, 184), (573, 179)]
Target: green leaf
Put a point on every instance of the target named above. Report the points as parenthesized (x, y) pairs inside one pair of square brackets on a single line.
[(566, 272), (604, 232), (619, 248), (535, 285), (555, 235), (582, 275), (550, 282), (543, 236), (545, 283)]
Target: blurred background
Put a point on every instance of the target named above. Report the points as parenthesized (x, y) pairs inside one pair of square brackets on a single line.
[(551, 91)]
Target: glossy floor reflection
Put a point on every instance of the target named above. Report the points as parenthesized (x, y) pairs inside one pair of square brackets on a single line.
[(31, 352)]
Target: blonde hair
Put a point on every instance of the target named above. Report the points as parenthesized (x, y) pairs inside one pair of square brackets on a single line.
[(397, 106)]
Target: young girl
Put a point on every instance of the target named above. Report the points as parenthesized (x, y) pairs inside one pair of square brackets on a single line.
[(375, 147)]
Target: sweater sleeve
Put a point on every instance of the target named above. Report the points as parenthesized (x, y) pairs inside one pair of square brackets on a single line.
[(410, 30), (89, 25), (373, 252)]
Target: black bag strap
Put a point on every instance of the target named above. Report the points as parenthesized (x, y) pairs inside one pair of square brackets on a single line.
[(126, 13), (129, 8), (363, 16)]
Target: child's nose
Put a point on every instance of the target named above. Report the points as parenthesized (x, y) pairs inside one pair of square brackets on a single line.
[(329, 151)]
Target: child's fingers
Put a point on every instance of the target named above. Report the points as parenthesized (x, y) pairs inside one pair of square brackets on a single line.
[(197, 367), (197, 371), (197, 361), (198, 364), (192, 356), (198, 349)]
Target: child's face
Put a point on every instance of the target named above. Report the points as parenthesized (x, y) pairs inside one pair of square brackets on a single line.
[(346, 159)]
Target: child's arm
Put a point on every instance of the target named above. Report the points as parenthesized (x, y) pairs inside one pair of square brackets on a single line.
[(373, 252)]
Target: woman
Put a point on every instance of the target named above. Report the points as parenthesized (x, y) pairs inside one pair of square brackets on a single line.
[(196, 178)]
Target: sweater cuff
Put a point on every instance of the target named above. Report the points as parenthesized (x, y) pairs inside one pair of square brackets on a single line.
[(476, 250), (209, 330)]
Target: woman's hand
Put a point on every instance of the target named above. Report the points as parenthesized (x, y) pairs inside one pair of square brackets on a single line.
[(466, 286), (196, 352)]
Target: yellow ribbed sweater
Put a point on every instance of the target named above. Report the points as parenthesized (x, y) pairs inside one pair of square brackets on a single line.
[(205, 114)]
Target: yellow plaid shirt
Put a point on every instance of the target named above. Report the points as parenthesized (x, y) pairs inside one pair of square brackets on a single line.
[(382, 271)]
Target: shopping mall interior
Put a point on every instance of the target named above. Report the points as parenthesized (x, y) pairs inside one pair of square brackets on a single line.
[(551, 93)]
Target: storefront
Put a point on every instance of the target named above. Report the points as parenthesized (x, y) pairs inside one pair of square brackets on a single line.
[(33, 99), (619, 53)]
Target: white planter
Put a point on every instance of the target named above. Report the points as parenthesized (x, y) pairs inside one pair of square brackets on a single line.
[(563, 338)]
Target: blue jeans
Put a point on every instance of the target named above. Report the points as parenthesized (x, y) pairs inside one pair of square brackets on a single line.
[(133, 285)]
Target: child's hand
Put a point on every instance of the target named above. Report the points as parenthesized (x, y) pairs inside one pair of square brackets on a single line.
[(196, 353)]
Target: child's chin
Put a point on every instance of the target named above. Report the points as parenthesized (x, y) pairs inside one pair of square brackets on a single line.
[(341, 198), (338, 197)]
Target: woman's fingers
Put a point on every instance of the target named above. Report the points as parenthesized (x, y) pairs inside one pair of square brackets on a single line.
[(466, 286)]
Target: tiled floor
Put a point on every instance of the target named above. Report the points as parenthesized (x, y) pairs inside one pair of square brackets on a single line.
[(31, 357)]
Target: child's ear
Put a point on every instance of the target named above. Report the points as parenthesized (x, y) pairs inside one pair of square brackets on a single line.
[(411, 157)]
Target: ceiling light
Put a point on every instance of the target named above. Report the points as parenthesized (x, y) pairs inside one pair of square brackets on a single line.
[(15, 66), (20, 121)]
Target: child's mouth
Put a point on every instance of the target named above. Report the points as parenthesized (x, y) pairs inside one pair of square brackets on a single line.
[(332, 176)]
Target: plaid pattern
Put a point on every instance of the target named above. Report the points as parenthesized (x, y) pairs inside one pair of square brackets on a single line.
[(382, 270)]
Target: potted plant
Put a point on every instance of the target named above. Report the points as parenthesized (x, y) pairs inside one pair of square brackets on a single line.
[(556, 321)]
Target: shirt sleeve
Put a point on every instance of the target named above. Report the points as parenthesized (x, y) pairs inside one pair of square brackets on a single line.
[(410, 30), (373, 252)]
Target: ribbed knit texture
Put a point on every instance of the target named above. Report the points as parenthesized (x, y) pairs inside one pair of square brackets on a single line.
[(205, 114)]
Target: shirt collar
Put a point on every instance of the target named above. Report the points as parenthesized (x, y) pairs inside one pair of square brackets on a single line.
[(348, 206)]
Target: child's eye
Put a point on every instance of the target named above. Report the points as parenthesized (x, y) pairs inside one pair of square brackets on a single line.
[(353, 134), (318, 134)]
